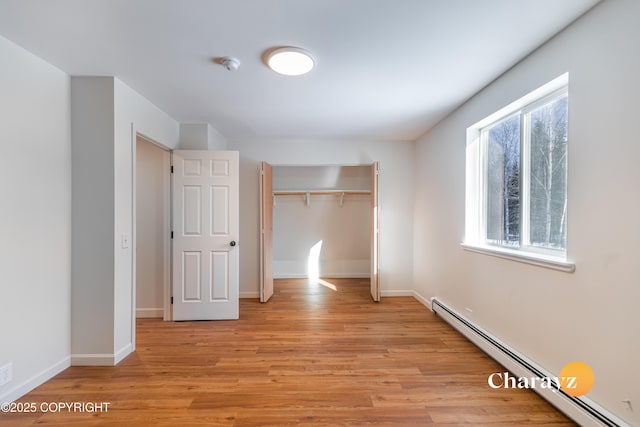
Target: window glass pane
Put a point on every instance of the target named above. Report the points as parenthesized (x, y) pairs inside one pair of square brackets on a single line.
[(548, 191), (503, 182)]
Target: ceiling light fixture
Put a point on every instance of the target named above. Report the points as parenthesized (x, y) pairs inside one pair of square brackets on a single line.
[(290, 61)]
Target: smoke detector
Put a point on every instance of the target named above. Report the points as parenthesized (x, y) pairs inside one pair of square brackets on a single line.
[(230, 63)]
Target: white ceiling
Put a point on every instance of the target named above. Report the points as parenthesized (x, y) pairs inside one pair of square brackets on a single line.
[(386, 69)]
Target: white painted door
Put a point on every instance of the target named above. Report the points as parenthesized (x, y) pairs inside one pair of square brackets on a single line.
[(375, 233), (266, 232), (205, 235)]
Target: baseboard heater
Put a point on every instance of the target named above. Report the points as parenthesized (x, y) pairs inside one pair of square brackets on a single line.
[(581, 409)]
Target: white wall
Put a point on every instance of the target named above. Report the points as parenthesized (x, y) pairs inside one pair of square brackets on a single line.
[(396, 199), (106, 116), (296, 178), (133, 115), (152, 165), (216, 140), (554, 317), (193, 136), (200, 136), (92, 216), (35, 207)]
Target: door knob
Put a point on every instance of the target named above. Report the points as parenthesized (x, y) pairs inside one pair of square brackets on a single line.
[(232, 243)]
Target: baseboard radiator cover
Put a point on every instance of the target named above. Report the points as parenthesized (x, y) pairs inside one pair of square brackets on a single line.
[(581, 409)]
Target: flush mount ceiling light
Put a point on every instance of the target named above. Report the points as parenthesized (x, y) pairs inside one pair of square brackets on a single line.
[(290, 61)]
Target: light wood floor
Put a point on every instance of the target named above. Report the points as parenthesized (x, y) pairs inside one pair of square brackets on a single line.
[(311, 356)]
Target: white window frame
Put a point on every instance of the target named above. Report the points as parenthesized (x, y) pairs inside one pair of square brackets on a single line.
[(476, 186)]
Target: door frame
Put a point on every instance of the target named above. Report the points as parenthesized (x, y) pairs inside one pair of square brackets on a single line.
[(166, 178), (375, 167)]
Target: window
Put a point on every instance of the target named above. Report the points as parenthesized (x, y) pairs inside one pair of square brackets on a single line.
[(517, 178)]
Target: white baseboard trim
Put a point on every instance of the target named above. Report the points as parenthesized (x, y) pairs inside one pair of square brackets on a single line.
[(582, 410), (384, 293), (289, 276), (144, 313), (422, 300), (101, 359), (36, 380), (122, 353), (92, 359), (250, 294), (324, 276)]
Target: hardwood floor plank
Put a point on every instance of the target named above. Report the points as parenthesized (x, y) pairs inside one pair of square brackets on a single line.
[(312, 356), (337, 417)]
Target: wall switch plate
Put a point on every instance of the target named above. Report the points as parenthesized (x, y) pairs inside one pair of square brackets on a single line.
[(6, 373), (125, 240)]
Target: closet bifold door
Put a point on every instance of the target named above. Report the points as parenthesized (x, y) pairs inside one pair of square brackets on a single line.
[(375, 234), (266, 232)]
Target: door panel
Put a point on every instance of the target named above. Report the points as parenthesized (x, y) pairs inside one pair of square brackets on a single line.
[(219, 210), (191, 208), (266, 232), (375, 233), (219, 272), (205, 230), (191, 276)]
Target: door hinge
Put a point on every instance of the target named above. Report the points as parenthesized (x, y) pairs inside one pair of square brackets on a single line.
[(171, 168), (172, 234), (171, 300)]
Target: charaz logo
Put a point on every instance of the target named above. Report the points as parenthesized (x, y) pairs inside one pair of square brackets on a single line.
[(575, 379)]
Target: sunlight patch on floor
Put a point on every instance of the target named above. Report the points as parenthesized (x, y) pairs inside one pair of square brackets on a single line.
[(327, 284)]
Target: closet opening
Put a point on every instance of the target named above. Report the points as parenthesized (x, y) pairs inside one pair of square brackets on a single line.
[(151, 225), (319, 223)]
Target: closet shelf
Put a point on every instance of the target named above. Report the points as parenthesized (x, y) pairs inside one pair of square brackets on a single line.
[(307, 194), (319, 192)]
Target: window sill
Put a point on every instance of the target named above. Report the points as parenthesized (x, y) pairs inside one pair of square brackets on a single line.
[(527, 258)]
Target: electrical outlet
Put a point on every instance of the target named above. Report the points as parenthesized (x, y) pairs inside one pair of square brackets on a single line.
[(6, 373)]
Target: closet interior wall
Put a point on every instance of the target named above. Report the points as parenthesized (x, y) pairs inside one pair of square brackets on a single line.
[(321, 220)]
